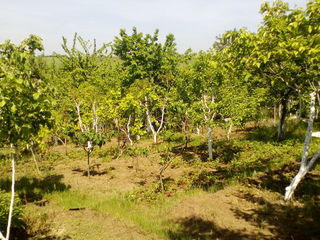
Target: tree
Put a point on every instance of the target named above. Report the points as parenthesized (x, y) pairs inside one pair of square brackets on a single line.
[(127, 113), (242, 93), (278, 55), (24, 103), (151, 66), (306, 25), (201, 84), (83, 72)]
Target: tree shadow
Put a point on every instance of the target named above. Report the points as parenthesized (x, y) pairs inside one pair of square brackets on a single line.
[(32, 189), (200, 229), (223, 151), (284, 220), (94, 170), (54, 238), (268, 134), (278, 180), (21, 234)]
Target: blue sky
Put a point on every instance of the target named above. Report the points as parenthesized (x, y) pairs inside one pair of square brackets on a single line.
[(195, 23)]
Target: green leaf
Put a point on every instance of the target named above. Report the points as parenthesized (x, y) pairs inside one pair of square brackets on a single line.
[(19, 80), (2, 103), (13, 108), (36, 95)]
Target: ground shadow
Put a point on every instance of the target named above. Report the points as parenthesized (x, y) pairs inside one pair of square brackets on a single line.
[(200, 229), (53, 238), (94, 170), (32, 189), (278, 180), (223, 151), (284, 220), (21, 234), (268, 134)]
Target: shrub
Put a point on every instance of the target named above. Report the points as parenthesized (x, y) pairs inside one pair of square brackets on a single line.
[(17, 215)]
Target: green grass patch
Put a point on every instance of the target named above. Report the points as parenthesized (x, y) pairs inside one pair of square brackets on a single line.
[(149, 216)]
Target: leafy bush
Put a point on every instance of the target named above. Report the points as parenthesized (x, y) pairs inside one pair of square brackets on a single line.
[(17, 215), (203, 178)]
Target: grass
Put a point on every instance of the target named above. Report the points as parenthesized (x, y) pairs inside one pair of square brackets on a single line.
[(149, 216)]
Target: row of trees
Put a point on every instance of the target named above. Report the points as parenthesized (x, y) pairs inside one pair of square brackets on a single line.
[(138, 85)]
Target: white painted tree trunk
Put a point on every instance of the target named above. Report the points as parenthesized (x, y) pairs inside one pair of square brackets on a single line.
[(95, 117), (198, 130), (209, 116), (229, 132), (82, 127), (12, 192), (305, 165), (210, 143), (154, 132), (126, 131)]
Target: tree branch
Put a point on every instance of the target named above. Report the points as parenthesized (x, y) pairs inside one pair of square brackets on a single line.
[(82, 128), (162, 119)]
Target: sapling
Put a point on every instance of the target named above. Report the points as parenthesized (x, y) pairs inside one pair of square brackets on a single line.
[(165, 163)]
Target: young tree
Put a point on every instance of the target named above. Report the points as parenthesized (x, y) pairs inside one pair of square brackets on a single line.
[(24, 103), (201, 90), (151, 66), (83, 72), (241, 92)]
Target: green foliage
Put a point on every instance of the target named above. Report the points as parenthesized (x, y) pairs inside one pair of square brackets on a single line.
[(17, 215), (145, 58), (96, 139), (24, 95)]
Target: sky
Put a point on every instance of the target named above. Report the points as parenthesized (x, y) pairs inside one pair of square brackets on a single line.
[(195, 23)]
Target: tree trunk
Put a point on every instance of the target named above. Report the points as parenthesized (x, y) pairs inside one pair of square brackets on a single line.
[(88, 161), (126, 131), (82, 126), (35, 159), (65, 146), (184, 129), (305, 165), (148, 114), (163, 168), (282, 118), (300, 107), (198, 130), (210, 143), (274, 115), (12, 191), (129, 138), (161, 182), (229, 132), (304, 169), (1, 236)]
